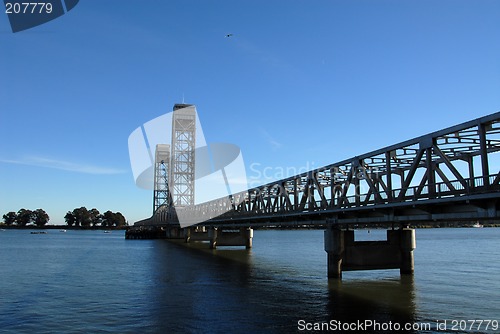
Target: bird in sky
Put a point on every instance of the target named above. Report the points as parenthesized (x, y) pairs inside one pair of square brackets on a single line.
[(229, 35)]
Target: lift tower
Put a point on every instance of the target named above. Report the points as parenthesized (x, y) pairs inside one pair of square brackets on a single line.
[(183, 156), (161, 193)]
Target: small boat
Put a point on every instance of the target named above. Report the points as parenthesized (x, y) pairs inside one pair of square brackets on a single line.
[(106, 231), (477, 225), (63, 231)]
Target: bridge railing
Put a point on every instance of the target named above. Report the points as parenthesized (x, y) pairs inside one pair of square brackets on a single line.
[(435, 191), (435, 166), (441, 190), (417, 193)]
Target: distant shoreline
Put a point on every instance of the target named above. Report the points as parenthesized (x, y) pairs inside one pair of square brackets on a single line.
[(61, 227), (319, 227), (378, 226)]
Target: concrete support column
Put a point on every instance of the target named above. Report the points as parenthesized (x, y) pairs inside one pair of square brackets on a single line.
[(406, 241), (187, 234), (344, 253), (248, 235), (408, 244), (335, 247), (212, 235)]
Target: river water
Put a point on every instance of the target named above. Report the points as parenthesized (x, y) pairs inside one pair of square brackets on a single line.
[(95, 282)]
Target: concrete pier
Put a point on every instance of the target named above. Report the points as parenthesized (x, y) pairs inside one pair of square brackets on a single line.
[(216, 237), (344, 253), (155, 232), (198, 233), (220, 237), (145, 232), (174, 232)]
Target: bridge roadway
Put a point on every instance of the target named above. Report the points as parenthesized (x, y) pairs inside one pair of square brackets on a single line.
[(448, 175)]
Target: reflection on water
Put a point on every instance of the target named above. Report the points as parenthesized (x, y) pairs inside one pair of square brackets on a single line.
[(226, 290), (87, 281), (384, 301)]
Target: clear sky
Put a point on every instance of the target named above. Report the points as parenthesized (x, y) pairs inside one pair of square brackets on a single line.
[(300, 84)]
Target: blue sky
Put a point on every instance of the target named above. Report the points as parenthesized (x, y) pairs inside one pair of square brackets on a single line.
[(299, 84)]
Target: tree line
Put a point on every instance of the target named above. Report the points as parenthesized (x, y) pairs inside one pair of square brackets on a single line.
[(79, 217), (86, 218), (24, 217)]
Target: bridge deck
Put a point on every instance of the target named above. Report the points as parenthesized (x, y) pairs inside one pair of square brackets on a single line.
[(451, 174)]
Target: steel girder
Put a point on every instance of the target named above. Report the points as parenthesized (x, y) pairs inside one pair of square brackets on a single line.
[(424, 173)]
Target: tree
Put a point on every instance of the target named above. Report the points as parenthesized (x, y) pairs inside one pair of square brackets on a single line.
[(24, 217), (70, 218), (107, 219), (119, 219), (40, 217), (9, 218), (111, 219), (82, 217), (95, 217)]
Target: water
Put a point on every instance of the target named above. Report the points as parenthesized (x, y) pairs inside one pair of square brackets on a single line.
[(92, 282)]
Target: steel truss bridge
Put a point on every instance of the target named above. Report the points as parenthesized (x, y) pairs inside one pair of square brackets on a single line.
[(448, 175)]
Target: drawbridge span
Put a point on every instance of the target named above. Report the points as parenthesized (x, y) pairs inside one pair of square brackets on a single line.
[(448, 175)]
